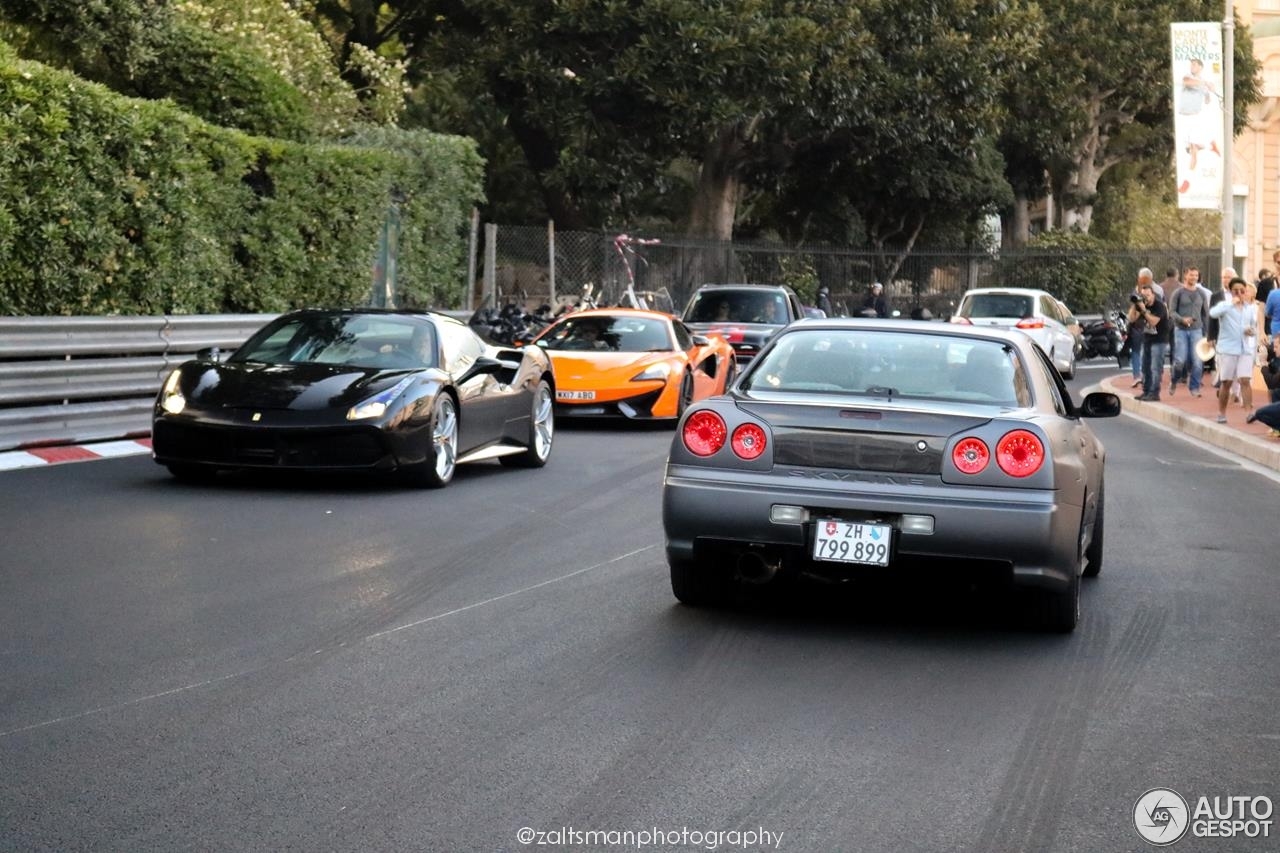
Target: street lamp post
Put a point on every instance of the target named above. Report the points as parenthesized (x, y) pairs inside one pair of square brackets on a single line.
[(1228, 136)]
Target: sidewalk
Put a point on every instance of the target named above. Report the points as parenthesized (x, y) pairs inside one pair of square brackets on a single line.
[(1196, 417)]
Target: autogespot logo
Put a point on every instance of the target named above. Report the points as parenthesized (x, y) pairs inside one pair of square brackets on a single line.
[(1161, 816)]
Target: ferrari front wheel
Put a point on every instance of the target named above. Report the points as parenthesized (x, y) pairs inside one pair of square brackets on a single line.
[(542, 428), (442, 456)]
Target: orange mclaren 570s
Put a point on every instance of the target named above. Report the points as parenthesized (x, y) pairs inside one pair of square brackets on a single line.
[(643, 365)]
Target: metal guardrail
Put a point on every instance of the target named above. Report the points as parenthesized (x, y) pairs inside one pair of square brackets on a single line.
[(67, 380), (75, 379)]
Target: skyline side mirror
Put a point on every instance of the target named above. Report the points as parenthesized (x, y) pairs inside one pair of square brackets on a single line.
[(1100, 404)]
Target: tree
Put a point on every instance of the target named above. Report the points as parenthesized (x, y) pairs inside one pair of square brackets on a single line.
[(603, 98), (1098, 95)]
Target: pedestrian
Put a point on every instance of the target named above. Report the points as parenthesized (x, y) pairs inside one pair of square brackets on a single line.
[(1187, 310), (1136, 351), (1171, 283), (1266, 283), (1270, 413), (1211, 330), (1154, 317), (875, 304), (824, 301), (1237, 336)]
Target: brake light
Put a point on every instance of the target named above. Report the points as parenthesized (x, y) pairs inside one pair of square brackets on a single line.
[(704, 433), (970, 455), (749, 441), (1020, 453), (963, 321), (1030, 323)]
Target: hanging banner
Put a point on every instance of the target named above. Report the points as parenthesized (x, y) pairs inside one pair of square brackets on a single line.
[(1198, 117)]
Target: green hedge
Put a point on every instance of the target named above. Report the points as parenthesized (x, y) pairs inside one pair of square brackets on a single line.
[(115, 205)]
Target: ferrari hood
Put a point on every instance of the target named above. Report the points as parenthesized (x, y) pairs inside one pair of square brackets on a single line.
[(296, 387)]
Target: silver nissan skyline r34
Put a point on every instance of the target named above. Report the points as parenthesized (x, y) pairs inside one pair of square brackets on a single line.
[(850, 444)]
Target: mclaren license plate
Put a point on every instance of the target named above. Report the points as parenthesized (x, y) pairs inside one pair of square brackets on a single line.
[(575, 395), (851, 542)]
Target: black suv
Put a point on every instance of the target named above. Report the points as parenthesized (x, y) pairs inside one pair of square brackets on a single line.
[(745, 315)]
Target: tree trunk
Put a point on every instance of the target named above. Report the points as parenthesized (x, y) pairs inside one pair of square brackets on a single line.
[(1016, 229), (1080, 188), (715, 200)]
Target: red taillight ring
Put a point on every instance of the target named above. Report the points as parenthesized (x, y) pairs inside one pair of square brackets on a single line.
[(970, 455), (749, 441), (704, 433), (1020, 453)]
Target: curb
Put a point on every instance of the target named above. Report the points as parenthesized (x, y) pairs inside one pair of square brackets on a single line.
[(34, 457), (1221, 436)]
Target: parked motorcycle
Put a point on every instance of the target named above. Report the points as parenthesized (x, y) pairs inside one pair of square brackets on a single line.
[(1104, 337), (510, 325)]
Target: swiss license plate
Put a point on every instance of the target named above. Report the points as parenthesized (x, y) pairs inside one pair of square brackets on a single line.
[(851, 542), (575, 395)]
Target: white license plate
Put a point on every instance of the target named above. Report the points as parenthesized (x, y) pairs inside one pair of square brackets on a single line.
[(575, 395), (851, 542)]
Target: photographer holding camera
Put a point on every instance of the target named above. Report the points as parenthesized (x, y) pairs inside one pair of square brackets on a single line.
[(1149, 318)]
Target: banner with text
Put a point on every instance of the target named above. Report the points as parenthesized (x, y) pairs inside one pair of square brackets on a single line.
[(1198, 117)]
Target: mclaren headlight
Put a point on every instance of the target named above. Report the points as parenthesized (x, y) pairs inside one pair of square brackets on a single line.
[(657, 370), (377, 405), (171, 399)]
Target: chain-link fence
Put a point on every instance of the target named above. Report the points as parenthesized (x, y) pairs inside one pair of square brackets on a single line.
[(524, 268)]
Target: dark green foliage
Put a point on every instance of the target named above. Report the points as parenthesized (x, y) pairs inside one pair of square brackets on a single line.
[(214, 78), (116, 205), (1079, 269)]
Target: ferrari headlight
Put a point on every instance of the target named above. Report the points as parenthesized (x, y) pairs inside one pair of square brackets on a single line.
[(377, 405), (659, 370), (171, 399)]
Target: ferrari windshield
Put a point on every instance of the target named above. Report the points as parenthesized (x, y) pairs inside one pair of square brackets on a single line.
[(864, 362), (609, 334), (380, 341)]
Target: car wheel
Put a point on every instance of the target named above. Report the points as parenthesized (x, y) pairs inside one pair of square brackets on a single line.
[(442, 459), (542, 427), (686, 394), (1093, 554), (690, 586), (730, 373), (192, 473), (1059, 611)]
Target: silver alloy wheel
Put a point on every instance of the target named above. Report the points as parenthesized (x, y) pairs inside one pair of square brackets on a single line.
[(544, 422), (444, 438)]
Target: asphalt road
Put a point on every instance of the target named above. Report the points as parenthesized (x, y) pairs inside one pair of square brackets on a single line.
[(346, 665)]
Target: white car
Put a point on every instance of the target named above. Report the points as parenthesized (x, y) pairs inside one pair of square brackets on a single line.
[(1036, 313)]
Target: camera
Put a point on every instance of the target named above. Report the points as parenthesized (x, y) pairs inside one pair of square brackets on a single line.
[(1135, 298)]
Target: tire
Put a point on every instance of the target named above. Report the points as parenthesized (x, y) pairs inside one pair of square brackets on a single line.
[(442, 460), (542, 427), (686, 394), (730, 373), (691, 587), (1058, 611), (1093, 554), (192, 473)]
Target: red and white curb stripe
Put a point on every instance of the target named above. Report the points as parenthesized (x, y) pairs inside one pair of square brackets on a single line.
[(33, 457)]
